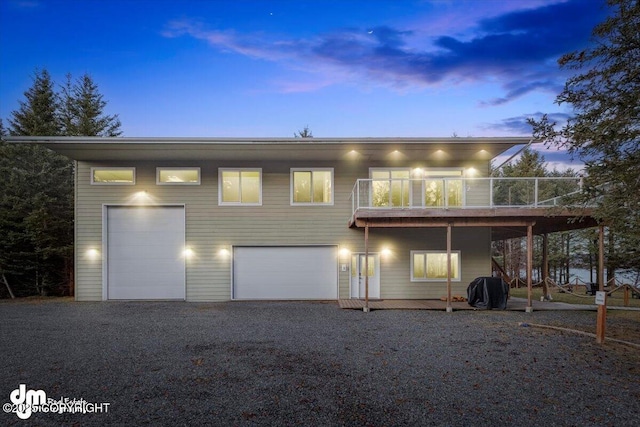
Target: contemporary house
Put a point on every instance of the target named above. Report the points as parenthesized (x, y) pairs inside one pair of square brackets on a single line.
[(218, 219)]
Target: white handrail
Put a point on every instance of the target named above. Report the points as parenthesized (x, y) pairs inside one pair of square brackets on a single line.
[(524, 192)]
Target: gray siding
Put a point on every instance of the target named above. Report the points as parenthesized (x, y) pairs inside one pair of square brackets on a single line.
[(210, 228)]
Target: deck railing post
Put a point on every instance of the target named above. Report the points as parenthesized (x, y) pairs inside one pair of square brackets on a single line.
[(353, 203), (445, 202), (535, 193), (491, 192)]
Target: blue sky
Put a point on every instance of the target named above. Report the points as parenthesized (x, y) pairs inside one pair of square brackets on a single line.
[(268, 68)]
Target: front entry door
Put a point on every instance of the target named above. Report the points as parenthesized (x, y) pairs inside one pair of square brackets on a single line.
[(358, 276)]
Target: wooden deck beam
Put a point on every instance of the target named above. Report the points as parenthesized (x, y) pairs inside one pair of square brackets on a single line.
[(435, 223), (506, 223)]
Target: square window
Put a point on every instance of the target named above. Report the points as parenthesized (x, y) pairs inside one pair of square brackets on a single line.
[(178, 176), (312, 186), (390, 187), (240, 187), (441, 188), (432, 266), (113, 176)]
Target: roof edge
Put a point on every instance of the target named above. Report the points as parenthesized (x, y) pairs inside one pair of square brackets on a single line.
[(237, 140)]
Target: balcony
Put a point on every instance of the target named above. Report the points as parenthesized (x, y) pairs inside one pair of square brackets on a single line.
[(493, 202)]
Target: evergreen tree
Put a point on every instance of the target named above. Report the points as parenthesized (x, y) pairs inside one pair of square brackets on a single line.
[(36, 219), (605, 128), (82, 110), (530, 163), (36, 197), (37, 115), (304, 133), (67, 112), (519, 192), (36, 184)]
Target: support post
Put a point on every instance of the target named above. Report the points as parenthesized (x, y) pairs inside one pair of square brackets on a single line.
[(504, 259), (626, 295), (366, 267), (529, 307), (449, 308), (601, 320), (545, 266)]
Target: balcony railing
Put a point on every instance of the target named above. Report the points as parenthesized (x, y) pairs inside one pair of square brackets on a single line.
[(463, 193)]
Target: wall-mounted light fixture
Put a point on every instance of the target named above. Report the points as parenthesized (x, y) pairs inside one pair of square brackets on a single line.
[(141, 197), (344, 254), (93, 254), (188, 252)]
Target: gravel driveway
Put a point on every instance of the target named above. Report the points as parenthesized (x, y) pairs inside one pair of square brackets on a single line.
[(311, 364)]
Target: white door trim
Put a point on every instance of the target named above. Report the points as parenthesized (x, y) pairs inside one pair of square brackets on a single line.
[(376, 256)]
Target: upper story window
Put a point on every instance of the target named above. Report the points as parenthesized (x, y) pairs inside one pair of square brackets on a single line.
[(178, 176), (312, 186), (113, 176), (441, 188), (432, 266), (390, 187), (240, 187)]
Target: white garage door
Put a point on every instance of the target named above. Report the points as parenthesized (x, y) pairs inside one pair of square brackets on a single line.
[(309, 272), (145, 253)]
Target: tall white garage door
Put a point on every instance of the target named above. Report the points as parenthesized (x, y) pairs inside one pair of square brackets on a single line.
[(300, 272), (145, 252)]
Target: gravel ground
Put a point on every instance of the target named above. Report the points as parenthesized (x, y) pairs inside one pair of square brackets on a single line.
[(309, 364)]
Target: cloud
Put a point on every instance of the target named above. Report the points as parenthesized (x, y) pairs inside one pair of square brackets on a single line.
[(517, 48), (26, 4), (518, 88), (518, 125), (251, 45)]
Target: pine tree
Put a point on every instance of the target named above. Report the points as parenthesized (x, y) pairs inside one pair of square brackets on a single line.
[(36, 197), (37, 115), (36, 184), (304, 133), (36, 218), (519, 192), (67, 114), (605, 128), (82, 110)]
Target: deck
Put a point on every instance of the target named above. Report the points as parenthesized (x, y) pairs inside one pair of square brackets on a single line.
[(506, 205)]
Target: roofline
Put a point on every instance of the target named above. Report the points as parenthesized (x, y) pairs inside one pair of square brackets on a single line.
[(262, 141)]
